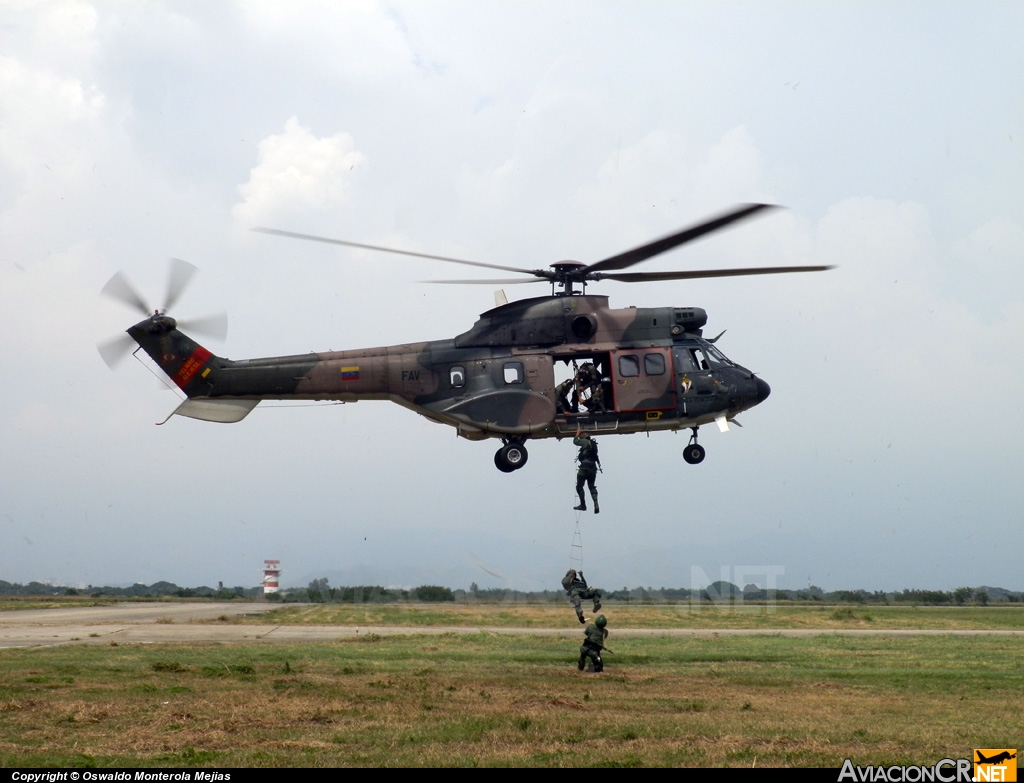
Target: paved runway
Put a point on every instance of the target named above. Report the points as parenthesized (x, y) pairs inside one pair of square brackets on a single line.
[(193, 623)]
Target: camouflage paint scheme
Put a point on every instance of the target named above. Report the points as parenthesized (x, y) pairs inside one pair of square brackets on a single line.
[(496, 380)]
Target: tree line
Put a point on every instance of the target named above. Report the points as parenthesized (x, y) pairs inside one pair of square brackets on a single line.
[(320, 591)]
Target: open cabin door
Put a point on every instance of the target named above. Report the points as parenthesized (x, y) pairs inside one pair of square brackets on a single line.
[(642, 379)]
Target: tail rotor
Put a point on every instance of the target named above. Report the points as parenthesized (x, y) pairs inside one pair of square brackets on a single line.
[(179, 277)]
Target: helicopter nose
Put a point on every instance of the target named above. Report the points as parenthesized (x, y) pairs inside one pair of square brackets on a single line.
[(763, 390)]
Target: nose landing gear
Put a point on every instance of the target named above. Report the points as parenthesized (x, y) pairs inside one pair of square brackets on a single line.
[(694, 452), (512, 456)]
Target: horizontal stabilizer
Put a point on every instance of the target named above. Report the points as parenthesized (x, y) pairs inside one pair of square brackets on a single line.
[(223, 411)]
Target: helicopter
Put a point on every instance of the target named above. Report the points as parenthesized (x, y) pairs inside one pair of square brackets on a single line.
[(541, 367)]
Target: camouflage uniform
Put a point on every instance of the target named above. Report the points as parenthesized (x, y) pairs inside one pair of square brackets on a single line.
[(588, 378), (596, 403), (576, 588), (593, 644), (587, 471), (563, 403)]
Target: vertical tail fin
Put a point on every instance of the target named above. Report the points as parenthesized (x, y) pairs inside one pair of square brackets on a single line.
[(191, 367), (186, 362)]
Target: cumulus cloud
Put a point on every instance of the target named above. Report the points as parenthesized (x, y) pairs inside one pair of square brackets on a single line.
[(298, 171)]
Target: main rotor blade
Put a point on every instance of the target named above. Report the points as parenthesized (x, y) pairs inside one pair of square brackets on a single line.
[(642, 253), (478, 281), (114, 350), (119, 288), (648, 277), (215, 326), (327, 240), (179, 275)]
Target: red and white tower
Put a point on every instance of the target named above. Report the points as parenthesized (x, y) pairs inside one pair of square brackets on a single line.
[(271, 576)]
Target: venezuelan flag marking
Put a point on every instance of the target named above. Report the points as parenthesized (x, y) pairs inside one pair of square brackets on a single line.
[(350, 373)]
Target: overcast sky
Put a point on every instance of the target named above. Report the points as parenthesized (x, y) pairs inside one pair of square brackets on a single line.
[(888, 456)]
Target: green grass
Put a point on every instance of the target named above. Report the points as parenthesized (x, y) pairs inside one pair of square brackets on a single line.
[(9, 602), (487, 700), (743, 616)]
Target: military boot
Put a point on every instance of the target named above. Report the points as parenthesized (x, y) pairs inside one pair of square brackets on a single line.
[(583, 501)]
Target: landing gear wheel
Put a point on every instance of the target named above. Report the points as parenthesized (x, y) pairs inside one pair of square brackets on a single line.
[(511, 456), (515, 454), (500, 464), (694, 454)]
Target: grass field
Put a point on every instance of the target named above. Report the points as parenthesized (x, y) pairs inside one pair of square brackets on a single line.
[(12, 602), (743, 615), (488, 700)]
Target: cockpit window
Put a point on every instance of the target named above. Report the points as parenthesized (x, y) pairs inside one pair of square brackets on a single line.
[(685, 361), (716, 356)]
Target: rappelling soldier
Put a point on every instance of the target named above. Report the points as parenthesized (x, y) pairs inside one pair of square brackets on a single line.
[(589, 462), (576, 588), (593, 644)]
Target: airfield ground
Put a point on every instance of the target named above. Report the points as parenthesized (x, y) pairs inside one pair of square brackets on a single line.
[(711, 688)]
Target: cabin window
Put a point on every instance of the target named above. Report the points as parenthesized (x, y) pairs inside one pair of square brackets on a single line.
[(654, 364), (458, 377), (513, 372), (629, 366)]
